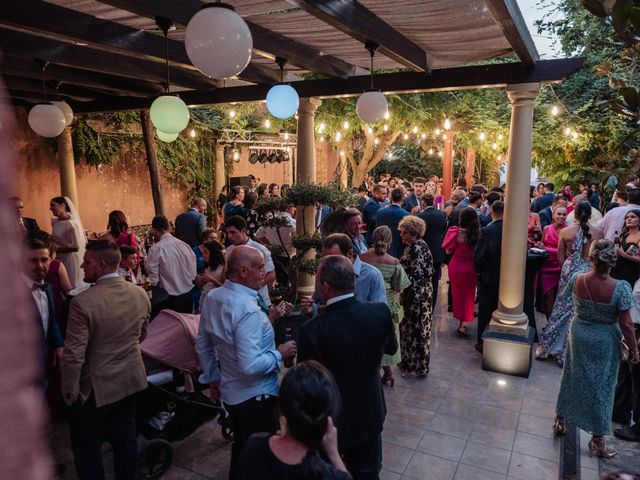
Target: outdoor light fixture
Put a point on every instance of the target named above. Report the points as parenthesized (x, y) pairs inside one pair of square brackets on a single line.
[(267, 123), (406, 136), (169, 114), (232, 114), (369, 130), (166, 137), (385, 127), (482, 136), (338, 136), (218, 41), (437, 131), (372, 104), (554, 110), (414, 130), (447, 124), (500, 137), (192, 133), (66, 110), (431, 151), (282, 99), (387, 115), (345, 125), (46, 119)]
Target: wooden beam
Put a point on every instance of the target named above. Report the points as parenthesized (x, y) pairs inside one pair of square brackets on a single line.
[(152, 161), (66, 24), (357, 21), (31, 46), (28, 85), (264, 41), (508, 16), (461, 78), (18, 67)]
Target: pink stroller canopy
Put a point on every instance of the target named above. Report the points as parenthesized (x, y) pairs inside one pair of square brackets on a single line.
[(171, 340)]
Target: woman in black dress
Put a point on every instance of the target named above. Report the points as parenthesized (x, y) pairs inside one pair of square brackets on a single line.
[(628, 264)]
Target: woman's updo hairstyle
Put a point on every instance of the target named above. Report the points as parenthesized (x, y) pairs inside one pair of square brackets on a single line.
[(603, 255), (582, 215), (308, 397), (61, 201), (381, 239)]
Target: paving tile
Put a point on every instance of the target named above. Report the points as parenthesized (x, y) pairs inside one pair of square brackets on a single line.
[(467, 391), (588, 474), (395, 458), (493, 436), (498, 417), (541, 447), (409, 415), (427, 400), (455, 426), (458, 407), (539, 408), (525, 467), (536, 425), (401, 434), (441, 445), (500, 400), (586, 460), (179, 473), (467, 472), (429, 467), (544, 393), (397, 392), (201, 457), (488, 458), (211, 432)]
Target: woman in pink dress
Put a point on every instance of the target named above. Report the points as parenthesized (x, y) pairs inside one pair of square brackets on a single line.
[(551, 268), (460, 243)]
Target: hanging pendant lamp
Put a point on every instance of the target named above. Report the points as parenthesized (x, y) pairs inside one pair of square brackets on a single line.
[(282, 98), (46, 119), (166, 137), (372, 104), (218, 41), (63, 106), (168, 113)]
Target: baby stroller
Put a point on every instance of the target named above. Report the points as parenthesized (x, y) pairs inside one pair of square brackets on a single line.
[(173, 406)]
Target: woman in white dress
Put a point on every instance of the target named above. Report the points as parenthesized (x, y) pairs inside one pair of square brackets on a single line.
[(68, 234)]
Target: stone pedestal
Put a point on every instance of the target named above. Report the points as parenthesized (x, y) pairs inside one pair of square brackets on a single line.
[(509, 322)]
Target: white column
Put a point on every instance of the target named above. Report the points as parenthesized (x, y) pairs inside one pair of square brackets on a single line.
[(306, 172), (67, 167), (509, 317)]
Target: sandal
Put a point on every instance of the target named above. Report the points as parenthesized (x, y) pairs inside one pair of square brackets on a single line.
[(540, 355), (462, 332), (599, 447), (387, 379), (559, 427)]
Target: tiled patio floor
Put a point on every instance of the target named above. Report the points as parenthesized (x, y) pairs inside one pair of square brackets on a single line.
[(459, 423)]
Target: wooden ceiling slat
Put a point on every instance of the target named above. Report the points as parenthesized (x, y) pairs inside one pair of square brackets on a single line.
[(67, 24), (481, 76), (28, 85), (264, 41), (357, 21), (508, 16)]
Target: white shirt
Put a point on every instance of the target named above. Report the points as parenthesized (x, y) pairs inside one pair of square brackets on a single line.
[(171, 264), (40, 297), (286, 233), (339, 298), (613, 221), (268, 264), (596, 216)]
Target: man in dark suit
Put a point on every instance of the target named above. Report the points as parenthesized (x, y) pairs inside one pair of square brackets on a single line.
[(349, 338), (370, 209), (35, 268), (412, 200), (25, 224), (487, 263), (545, 200), (546, 214), (436, 221), (390, 216), (189, 224)]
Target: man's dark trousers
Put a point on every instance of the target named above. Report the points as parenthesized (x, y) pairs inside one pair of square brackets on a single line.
[(364, 462), (255, 415), (435, 282), (628, 392), (90, 426), (488, 303)]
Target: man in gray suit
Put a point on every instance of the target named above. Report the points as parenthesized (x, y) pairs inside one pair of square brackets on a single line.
[(189, 224)]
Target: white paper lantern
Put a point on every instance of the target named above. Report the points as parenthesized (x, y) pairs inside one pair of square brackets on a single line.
[(169, 114), (371, 106), (218, 41), (66, 110), (47, 120), (282, 101), (166, 137)]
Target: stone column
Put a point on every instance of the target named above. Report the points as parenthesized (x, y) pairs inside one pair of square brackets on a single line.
[(306, 172), (67, 167), (507, 341), (447, 166)]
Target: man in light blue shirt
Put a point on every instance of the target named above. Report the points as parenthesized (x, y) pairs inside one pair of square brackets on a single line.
[(237, 350)]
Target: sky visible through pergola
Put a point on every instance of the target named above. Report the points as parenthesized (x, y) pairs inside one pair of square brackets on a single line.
[(545, 44)]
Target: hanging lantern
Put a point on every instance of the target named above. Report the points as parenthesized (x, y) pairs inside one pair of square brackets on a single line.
[(166, 137), (218, 41), (66, 110), (47, 120), (371, 105), (282, 99), (169, 114)]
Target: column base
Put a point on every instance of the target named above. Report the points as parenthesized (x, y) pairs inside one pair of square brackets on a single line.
[(512, 324), (507, 353)]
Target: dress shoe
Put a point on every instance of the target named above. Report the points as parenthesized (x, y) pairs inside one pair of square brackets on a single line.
[(478, 347), (630, 434)]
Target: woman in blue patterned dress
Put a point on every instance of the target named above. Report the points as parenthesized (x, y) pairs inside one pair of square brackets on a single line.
[(601, 320), (580, 235)]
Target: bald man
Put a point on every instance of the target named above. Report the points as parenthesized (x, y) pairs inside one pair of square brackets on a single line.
[(237, 349)]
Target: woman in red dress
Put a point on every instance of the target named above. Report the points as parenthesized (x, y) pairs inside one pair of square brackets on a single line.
[(550, 271), (460, 243)]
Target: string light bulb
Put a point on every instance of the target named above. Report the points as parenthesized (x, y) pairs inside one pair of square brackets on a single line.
[(431, 151), (376, 141), (236, 156), (322, 127), (482, 136), (267, 123), (345, 125), (500, 137), (423, 136), (440, 154), (447, 124), (495, 146), (567, 131), (414, 130), (232, 113), (369, 130), (554, 110), (192, 133), (575, 135), (387, 115), (338, 136), (286, 135), (406, 136), (437, 131), (385, 127), (321, 139)]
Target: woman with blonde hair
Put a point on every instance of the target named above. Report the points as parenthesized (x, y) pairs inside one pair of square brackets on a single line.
[(395, 281)]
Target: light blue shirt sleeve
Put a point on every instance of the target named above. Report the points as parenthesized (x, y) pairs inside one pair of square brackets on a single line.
[(377, 293), (252, 360), (206, 352)]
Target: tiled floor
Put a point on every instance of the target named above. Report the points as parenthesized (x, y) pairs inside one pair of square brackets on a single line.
[(459, 423)]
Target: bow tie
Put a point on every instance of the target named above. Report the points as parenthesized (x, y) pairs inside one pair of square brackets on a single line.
[(41, 286)]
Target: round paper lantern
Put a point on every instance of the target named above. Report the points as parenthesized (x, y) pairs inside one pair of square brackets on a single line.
[(169, 114), (371, 106), (47, 120), (218, 41), (166, 137), (282, 101), (66, 110)]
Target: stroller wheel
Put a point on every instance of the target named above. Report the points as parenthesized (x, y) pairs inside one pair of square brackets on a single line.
[(155, 459), (227, 432)]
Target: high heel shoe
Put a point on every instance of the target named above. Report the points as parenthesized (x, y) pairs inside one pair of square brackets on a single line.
[(462, 332), (559, 427), (387, 379), (597, 446), (540, 355)]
